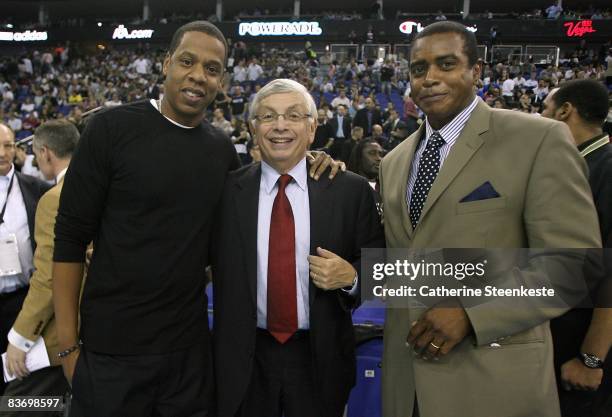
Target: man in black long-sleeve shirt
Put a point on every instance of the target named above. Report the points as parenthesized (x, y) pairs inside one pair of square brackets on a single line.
[(148, 209), (143, 327)]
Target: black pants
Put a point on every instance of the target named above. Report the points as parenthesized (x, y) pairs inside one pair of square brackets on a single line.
[(10, 306), (282, 380), (177, 384), (47, 381)]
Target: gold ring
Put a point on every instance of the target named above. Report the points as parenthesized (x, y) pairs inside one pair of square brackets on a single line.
[(434, 345)]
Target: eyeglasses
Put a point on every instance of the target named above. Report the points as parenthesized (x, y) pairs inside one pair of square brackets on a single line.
[(291, 117)]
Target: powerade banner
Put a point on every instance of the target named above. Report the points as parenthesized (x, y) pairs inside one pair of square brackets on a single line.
[(279, 29)]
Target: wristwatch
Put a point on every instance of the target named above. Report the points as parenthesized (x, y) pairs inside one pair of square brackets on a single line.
[(590, 361)]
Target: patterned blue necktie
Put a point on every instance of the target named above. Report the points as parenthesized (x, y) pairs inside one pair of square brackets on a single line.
[(428, 170)]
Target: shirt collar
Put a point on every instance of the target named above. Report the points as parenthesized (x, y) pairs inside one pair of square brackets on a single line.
[(458, 121), (270, 175), (10, 174), (61, 174), (154, 103), (590, 141)]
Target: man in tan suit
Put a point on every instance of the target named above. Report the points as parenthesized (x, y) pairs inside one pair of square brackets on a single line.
[(473, 177), (53, 145)]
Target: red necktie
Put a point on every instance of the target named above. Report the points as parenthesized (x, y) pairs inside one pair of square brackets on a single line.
[(282, 295)]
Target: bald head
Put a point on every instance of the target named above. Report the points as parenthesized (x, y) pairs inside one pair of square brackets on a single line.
[(7, 149), (548, 105)]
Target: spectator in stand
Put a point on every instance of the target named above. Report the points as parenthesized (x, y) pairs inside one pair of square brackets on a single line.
[(365, 160), (220, 122), (387, 112), (324, 135), (222, 101), (499, 103), (254, 72), (508, 86), (341, 99), (153, 90), (541, 91), (519, 80), (348, 145), (240, 136), (340, 126), (379, 134), (411, 115), (240, 72), (114, 102), (531, 81), (75, 98), (15, 122), (356, 105), (386, 75), (368, 116), (28, 105), (395, 130), (554, 11), (142, 65), (238, 102), (440, 16)]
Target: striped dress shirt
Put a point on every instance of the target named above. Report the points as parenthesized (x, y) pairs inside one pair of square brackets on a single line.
[(450, 132)]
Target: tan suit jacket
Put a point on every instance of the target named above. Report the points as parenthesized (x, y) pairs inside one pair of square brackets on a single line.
[(544, 202), (36, 317)]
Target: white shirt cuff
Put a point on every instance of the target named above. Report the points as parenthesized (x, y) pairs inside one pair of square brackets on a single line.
[(19, 341), (353, 290)]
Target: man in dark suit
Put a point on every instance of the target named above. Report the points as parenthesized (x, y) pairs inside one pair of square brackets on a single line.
[(582, 337), (340, 126), (324, 137), (395, 129), (368, 117), (19, 195), (284, 342)]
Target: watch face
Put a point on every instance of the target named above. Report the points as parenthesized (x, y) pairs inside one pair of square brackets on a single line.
[(591, 361)]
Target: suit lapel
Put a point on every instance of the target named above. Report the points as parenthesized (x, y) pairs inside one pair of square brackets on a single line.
[(246, 204), (468, 142), (320, 204)]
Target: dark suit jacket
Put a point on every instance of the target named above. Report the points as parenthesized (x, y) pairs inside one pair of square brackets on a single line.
[(390, 126), (343, 219), (322, 135), (31, 190), (346, 126), (361, 119)]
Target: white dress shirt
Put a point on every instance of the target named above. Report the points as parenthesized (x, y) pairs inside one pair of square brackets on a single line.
[(340, 131), (15, 338), (15, 222), (297, 193)]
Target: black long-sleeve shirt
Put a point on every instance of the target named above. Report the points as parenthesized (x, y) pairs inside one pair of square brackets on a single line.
[(144, 190)]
